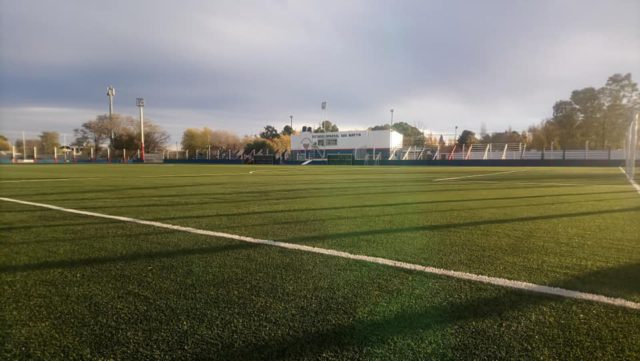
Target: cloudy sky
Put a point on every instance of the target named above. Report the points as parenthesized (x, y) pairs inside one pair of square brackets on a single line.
[(239, 65)]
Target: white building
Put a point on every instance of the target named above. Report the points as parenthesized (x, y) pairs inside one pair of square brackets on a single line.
[(314, 145)]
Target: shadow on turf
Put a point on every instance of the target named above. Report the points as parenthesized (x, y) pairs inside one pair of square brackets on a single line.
[(132, 257), (56, 225), (361, 335), (621, 281), (409, 213), (347, 235), (380, 205), (305, 192)]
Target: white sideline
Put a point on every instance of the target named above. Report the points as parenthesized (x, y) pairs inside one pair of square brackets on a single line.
[(479, 175), (532, 287), (633, 182)]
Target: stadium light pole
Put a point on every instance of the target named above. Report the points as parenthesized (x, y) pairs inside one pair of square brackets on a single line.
[(455, 135), (140, 105), (111, 92), (324, 130), (391, 110), (24, 147), (291, 120)]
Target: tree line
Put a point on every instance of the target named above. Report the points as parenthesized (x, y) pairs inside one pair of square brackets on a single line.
[(597, 117), (118, 132), (591, 117)]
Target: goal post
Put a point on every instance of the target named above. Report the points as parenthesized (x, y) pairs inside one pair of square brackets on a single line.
[(631, 146)]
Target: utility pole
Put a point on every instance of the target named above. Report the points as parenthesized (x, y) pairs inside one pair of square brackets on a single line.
[(140, 105)]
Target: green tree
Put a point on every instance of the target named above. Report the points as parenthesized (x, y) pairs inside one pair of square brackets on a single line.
[(224, 140), (30, 144), (195, 140), (600, 116), (326, 126), (590, 108), (565, 121), (508, 136), (620, 96), (49, 141), (287, 130), (5, 145), (126, 135), (259, 144), (467, 138), (412, 136), (270, 132), (541, 136), (97, 131)]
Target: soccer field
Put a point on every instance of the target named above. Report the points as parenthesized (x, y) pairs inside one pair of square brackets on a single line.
[(82, 286)]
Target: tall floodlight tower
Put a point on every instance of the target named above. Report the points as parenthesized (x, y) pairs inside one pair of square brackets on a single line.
[(111, 92), (291, 119), (322, 123), (24, 147), (391, 110), (140, 105)]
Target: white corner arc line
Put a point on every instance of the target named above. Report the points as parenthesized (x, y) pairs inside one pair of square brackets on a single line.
[(496, 281), (633, 182), (479, 175)]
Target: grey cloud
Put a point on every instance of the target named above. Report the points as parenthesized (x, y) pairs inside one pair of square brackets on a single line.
[(240, 65)]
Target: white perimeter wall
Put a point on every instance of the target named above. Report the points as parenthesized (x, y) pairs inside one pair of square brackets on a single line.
[(350, 139)]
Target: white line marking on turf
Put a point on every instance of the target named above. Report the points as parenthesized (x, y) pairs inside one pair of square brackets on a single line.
[(479, 175), (532, 287), (631, 180), (530, 183)]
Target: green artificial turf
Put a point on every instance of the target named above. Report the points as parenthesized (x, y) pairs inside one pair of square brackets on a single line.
[(78, 287)]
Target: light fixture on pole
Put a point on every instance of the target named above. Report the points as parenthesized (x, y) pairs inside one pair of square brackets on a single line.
[(291, 119), (391, 110), (140, 105), (111, 92), (455, 135), (323, 106)]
